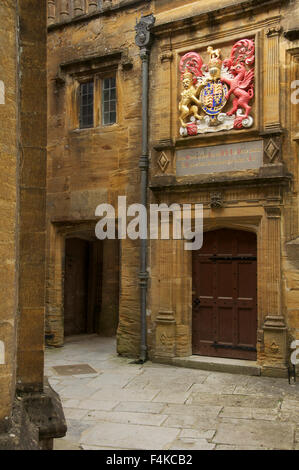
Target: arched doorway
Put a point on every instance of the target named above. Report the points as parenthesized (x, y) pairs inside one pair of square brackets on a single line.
[(224, 313)]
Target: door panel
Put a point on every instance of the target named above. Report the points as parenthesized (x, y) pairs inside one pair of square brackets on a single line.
[(225, 295)]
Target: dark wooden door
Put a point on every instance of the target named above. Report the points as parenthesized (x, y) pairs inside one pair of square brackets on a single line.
[(76, 286), (95, 286), (225, 295)]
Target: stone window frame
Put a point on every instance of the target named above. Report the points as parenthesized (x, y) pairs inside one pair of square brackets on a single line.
[(79, 71), (82, 122)]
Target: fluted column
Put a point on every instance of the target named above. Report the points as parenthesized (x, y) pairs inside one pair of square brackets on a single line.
[(51, 11), (92, 6), (79, 7), (165, 320), (272, 79), (274, 326), (64, 10), (163, 125)]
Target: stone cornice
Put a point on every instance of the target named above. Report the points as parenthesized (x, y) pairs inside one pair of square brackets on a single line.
[(221, 14), (92, 62), (105, 10), (256, 179)]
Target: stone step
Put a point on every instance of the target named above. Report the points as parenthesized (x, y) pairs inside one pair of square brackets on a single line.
[(215, 364)]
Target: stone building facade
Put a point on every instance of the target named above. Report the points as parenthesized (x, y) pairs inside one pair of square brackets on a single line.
[(232, 147), (30, 411)]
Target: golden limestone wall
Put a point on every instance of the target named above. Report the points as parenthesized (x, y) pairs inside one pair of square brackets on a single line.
[(270, 210), (290, 108), (8, 205), (93, 166), (88, 167), (23, 140)]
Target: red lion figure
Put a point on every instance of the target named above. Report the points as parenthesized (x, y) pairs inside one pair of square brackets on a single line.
[(242, 85)]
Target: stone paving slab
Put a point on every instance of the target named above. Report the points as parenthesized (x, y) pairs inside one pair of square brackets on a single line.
[(181, 421), (74, 413), (249, 413), (127, 436), (192, 444), (90, 405), (238, 448), (197, 434), (233, 400), (211, 388), (204, 410), (256, 434), (123, 395), (168, 396), (125, 417), (153, 406), (140, 407)]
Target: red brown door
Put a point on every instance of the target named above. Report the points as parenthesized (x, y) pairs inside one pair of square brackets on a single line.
[(225, 295)]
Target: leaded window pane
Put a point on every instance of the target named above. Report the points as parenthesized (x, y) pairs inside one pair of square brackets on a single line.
[(109, 101)]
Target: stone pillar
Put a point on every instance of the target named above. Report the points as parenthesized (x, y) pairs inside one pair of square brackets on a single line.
[(8, 206), (32, 207), (183, 298), (79, 7), (272, 80), (64, 10), (275, 336), (51, 11), (163, 129), (92, 6), (165, 319), (37, 415)]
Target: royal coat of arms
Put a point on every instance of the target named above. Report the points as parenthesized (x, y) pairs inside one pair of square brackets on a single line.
[(207, 89)]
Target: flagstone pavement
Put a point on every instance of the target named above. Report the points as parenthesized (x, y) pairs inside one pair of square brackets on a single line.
[(122, 405)]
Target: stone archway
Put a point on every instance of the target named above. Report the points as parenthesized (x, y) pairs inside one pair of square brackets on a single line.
[(171, 290), (101, 295)]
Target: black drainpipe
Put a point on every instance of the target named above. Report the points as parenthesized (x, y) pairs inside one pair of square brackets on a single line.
[(144, 41)]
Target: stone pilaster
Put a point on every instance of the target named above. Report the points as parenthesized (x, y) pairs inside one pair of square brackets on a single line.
[(64, 10), (92, 6), (32, 177), (182, 293), (51, 11), (163, 130), (165, 319), (274, 326), (79, 7), (272, 119)]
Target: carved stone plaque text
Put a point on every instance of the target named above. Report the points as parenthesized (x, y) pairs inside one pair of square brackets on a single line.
[(219, 158)]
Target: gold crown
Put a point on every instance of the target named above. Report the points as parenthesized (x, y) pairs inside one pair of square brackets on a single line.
[(215, 62)]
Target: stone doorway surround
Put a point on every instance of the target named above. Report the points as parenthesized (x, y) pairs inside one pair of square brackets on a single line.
[(171, 287), (57, 235)]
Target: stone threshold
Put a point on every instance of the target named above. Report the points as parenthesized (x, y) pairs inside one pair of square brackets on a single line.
[(215, 364)]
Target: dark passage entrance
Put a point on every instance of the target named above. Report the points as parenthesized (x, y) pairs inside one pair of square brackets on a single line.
[(90, 299), (76, 287), (225, 295)]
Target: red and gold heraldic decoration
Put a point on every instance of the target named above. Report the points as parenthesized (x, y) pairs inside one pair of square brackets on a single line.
[(207, 88)]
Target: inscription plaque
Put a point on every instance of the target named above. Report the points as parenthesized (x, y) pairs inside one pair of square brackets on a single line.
[(219, 158)]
